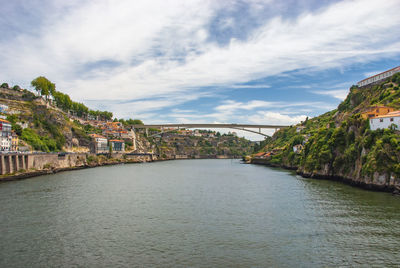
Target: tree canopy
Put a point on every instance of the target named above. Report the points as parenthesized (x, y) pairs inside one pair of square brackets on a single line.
[(43, 86)]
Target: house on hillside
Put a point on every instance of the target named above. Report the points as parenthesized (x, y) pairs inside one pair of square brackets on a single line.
[(118, 146), (378, 77), (99, 144), (385, 121), (376, 111), (6, 135), (14, 142)]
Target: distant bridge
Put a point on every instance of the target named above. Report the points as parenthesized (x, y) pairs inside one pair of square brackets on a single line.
[(244, 127)]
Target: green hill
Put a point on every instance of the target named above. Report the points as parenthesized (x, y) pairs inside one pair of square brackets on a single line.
[(340, 145)]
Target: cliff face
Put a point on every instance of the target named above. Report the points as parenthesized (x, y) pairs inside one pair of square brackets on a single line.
[(340, 145), (205, 145)]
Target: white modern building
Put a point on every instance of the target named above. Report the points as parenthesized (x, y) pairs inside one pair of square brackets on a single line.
[(385, 121), (378, 77)]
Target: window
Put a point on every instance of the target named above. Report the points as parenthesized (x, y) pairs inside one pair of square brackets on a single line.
[(391, 119), (381, 120)]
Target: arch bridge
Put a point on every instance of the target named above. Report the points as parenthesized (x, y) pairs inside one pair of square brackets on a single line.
[(244, 127)]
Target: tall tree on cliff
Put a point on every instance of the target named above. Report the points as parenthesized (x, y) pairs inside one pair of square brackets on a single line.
[(43, 86)]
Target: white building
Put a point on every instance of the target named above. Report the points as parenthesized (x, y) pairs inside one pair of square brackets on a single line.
[(385, 121), (5, 143), (5, 133), (378, 77), (99, 144)]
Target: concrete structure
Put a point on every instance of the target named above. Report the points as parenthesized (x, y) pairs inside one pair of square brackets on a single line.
[(14, 162), (385, 121), (378, 77), (244, 127), (117, 145), (376, 111), (99, 144)]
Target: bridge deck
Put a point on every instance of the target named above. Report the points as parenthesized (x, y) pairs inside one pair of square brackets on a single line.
[(208, 126)]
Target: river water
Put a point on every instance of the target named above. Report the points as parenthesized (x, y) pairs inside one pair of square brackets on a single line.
[(194, 213)]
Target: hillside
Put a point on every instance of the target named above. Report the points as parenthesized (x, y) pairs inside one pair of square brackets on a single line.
[(53, 122), (340, 144), (205, 144)]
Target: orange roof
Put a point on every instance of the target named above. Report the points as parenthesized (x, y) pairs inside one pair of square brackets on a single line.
[(391, 114), (94, 135), (117, 140), (376, 107), (5, 121), (259, 154)]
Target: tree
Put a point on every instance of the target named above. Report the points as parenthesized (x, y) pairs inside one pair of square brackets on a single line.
[(43, 86)]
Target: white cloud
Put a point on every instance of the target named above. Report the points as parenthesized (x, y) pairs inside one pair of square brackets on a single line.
[(340, 94), (162, 48)]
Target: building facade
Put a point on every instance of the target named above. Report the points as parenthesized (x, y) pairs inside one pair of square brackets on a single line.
[(99, 144), (14, 142), (378, 77), (385, 121), (6, 135), (117, 145)]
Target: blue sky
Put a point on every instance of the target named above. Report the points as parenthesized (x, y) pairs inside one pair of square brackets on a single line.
[(267, 62)]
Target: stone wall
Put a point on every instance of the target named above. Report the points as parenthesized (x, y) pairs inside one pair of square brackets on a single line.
[(11, 163)]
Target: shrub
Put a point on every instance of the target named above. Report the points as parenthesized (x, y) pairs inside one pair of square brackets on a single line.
[(4, 85)]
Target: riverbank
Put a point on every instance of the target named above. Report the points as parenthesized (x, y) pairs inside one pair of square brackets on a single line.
[(367, 185), (91, 161)]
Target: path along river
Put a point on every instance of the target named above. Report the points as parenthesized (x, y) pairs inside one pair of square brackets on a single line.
[(194, 213)]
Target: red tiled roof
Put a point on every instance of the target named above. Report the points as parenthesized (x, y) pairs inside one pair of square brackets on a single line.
[(4, 121), (391, 114), (94, 135)]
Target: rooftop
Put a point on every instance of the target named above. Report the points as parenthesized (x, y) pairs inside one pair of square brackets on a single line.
[(5, 121), (391, 114)]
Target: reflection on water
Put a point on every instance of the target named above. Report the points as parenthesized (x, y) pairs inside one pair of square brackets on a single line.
[(196, 213)]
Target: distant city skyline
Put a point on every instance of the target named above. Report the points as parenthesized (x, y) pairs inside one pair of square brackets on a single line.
[(256, 62)]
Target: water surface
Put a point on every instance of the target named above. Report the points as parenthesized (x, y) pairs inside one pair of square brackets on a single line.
[(194, 213)]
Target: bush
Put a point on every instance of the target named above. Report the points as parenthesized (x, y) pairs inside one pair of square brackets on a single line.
[(16, 87), (4, 85), (40, 143)]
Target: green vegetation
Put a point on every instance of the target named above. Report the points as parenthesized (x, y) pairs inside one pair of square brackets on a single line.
[(46, 88), (39, 143), (43, 86), (340, 143)]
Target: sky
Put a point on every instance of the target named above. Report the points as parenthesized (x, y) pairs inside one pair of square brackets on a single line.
[(200, 61)]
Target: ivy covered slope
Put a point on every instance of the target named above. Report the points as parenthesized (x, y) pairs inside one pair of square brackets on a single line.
[(340, 145)]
